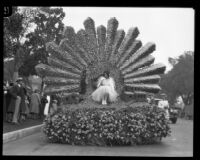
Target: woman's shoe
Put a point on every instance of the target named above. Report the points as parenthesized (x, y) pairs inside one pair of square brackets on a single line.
[(104, 102), (9, 118)]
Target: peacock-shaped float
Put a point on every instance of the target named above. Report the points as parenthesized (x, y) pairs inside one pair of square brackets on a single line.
[(88, 53), (94, 51)]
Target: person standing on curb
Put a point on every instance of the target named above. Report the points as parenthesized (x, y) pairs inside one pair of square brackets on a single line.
[(44, 101), (54, 107), (8, 100), (35, 104), (46, 108), (23, 106), (14, 106)]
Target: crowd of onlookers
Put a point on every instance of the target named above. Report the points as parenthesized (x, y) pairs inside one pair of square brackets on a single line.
[(20, 103)]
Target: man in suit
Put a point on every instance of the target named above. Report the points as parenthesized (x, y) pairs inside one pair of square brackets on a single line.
[(14, 106), (8, 100), (5, 91), (23, 106)]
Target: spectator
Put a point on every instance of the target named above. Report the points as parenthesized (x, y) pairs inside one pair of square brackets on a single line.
[(4, 100), (4, 87), (44, 101), (8, 100), (14, 106), (46, 108), (54, 107), (27, 112), (150, 99), (179, 104), (23, 105), (35, 104)]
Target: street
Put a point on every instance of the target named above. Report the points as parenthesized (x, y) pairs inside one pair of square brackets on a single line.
[(180, 144)]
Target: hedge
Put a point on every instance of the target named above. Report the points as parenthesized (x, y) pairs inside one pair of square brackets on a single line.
[(107, 126)]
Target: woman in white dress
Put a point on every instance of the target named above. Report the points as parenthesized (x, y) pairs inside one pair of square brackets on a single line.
[(105, 89)]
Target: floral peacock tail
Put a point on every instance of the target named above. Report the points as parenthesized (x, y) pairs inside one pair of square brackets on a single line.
[(97, 50)]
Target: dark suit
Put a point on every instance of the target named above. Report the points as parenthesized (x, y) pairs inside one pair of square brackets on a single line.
[(22, 94), (17, 93), (14, 92)]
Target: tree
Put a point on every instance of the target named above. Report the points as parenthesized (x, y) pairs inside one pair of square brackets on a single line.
[(179, 81), (48, 27), (172, 61), (14, 30)]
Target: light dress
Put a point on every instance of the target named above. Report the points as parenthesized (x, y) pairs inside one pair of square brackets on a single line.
[(105, 87), (46, 108)]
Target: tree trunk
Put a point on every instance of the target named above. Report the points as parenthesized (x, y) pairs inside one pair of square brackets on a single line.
[(17, 62), (15, 76)]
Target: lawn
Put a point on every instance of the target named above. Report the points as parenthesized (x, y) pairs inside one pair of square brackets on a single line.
[(8, 127)]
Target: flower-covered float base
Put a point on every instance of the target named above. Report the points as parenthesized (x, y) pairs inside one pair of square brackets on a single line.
[(107, 126)]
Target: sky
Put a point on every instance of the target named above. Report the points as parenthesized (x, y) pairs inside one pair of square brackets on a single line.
[(171, 29)]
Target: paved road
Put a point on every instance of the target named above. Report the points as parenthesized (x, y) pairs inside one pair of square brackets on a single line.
[(180, 144)]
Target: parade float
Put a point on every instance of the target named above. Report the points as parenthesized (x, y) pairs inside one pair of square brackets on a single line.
[(86, 55)]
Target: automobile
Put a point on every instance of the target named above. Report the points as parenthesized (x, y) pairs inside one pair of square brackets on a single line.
[(156, 101), (173, 111)]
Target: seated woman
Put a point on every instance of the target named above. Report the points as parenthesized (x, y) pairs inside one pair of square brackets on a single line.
[(105, 89)]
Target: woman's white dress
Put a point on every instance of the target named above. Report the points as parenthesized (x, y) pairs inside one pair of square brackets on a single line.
[(105, 87), (46, 108)]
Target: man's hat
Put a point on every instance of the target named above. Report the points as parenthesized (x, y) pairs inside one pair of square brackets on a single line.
[(54, 101), (164, 95), (19, 79)]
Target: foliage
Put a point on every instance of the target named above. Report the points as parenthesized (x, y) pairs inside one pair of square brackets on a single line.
[(13, 30), (179, 81), (107, 126), (8, 69), (48, 27)]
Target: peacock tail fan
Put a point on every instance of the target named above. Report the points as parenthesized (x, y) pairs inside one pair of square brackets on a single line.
[(100, 49)]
